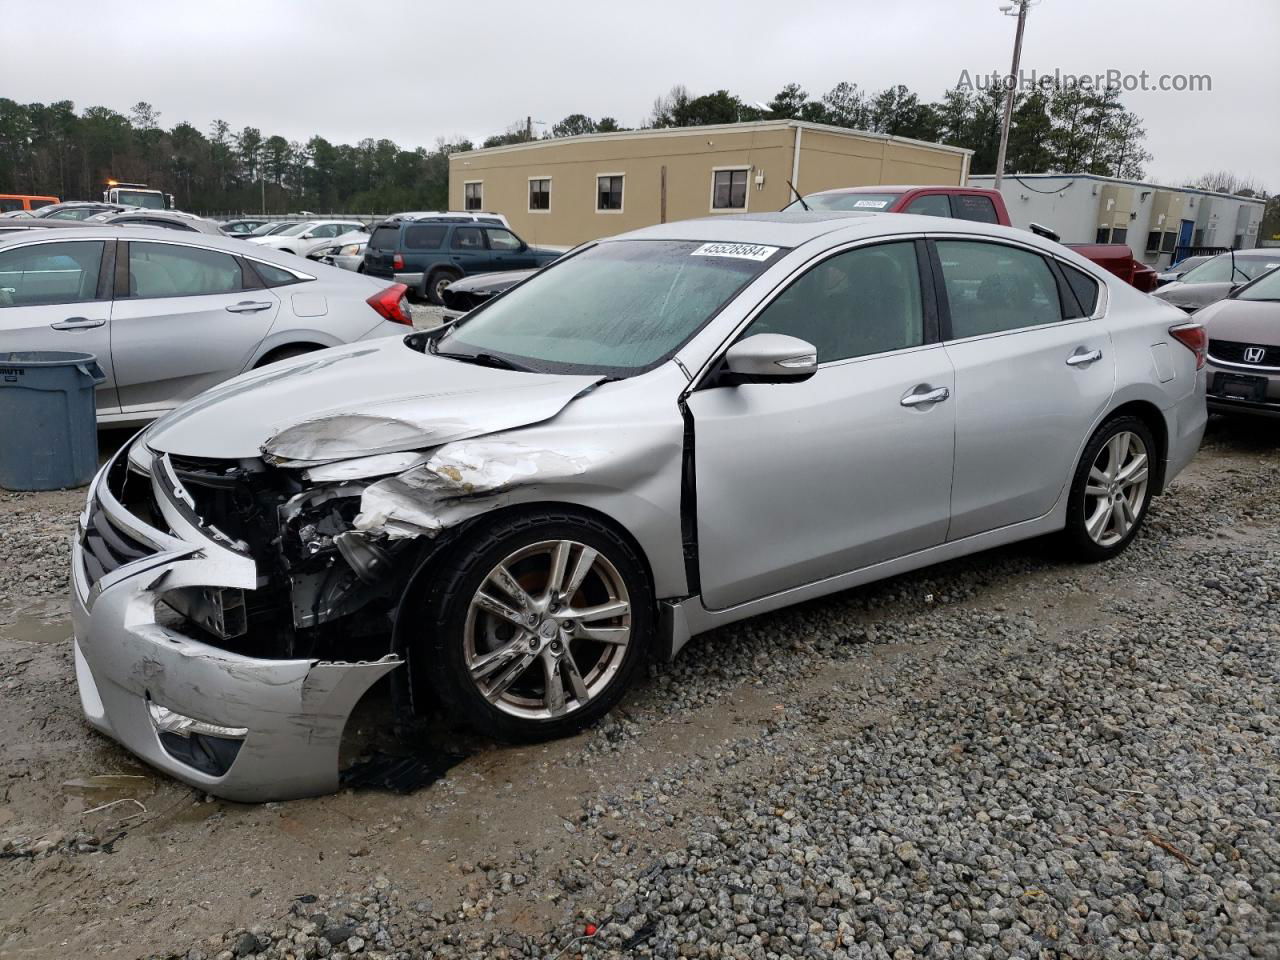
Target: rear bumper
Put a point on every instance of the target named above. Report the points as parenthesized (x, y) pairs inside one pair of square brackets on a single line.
[(284, 718), (1185, 421), (411, 280)]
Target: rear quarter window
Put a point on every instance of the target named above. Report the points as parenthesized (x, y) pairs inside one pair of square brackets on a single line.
[(424, 238), (1083, 286), (385, 238)]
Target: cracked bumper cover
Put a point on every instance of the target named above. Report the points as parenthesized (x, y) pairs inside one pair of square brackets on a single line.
[(293, 711)]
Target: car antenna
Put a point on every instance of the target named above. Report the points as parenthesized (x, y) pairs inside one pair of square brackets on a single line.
[(798, 197)]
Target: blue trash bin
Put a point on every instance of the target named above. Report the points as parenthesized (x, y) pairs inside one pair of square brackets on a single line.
[(48, 419)]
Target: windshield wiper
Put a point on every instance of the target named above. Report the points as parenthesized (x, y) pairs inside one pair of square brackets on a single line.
[(486, 360)]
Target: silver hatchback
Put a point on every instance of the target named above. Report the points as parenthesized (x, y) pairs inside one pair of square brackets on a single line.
[(169, 314), (656, 435)]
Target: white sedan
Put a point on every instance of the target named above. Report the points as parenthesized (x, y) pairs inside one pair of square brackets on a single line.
[(309, 235)]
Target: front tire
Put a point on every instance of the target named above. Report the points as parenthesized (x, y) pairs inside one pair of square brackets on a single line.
[(534, 626), (435, 284), (1111, 490)]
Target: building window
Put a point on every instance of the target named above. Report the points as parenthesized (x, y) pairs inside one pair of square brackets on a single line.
[(1153, 241), (1170, 241), (540, 194), (473, 195), (1238, 241), (1104, 235), (729, 189), (609, 192), (1120, 235)]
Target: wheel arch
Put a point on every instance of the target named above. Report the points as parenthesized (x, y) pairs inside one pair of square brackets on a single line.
[(1151, 415)]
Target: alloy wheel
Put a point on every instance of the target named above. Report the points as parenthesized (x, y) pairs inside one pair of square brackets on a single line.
[(1116, 492), (547, 630)]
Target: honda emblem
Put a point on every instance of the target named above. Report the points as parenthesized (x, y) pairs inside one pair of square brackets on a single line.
[(1254, 354)]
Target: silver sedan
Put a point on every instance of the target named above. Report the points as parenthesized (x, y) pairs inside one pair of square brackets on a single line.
[(656, 435), (169, 314)]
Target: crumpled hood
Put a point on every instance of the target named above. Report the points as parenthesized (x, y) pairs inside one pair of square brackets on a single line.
[(368, 398)]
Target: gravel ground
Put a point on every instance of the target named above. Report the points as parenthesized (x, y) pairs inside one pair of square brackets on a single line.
[(1005, 756)]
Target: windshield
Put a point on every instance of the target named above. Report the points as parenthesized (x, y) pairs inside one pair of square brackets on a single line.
[(141, 198), (1267, 288), (617, 308), (293, 230), (869, 202), (1218, 270), (1188, 264)]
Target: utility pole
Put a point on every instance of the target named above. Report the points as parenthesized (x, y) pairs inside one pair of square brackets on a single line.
[(1012, 85), (528, 127)]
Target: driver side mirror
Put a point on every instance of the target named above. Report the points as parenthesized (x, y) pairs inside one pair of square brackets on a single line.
[(769, 358), (309, 235)]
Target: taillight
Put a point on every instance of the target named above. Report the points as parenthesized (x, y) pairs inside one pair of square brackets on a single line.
[(393, 304), (397, 262), (1194, 337)]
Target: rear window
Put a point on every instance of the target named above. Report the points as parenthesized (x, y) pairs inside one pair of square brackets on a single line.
[(385, 238), (970, 207), (424, 238)]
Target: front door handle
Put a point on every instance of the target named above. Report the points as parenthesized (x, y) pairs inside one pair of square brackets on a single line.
[(77, 323), (248, 306), (1082, 357), (923, 395)]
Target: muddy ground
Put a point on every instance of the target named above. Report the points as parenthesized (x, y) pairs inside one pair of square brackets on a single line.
[(167, 867)]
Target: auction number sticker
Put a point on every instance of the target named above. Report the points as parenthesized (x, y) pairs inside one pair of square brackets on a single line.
[(738, 251), (870, 204)]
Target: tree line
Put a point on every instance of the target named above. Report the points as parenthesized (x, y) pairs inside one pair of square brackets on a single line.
[(53, 149)]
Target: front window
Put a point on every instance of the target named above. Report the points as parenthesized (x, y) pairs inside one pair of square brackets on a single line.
[(1227, 269), (930, 205), (617, 308), (857, 303), (864, 202), (729, 190), (609, 192), (503, 240), (540, 194), (473, 195), (50, 273), (1267, 288), (140, 198)]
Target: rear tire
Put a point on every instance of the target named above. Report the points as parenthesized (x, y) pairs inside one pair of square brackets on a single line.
[(433, 286), (533, 627), (286, 353), (1111, 490)]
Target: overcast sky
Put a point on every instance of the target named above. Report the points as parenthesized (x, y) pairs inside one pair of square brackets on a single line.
[(418, 71)]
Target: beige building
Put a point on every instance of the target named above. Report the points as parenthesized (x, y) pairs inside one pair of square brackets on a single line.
[(571, 189)]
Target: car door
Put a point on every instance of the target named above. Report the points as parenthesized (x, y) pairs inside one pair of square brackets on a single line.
[(1032, 376), (185, 318), (468, 250), (801, 481), (509, 252), (56, 295)]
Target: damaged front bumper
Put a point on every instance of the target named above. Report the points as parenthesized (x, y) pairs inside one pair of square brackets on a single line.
[(235, 726)]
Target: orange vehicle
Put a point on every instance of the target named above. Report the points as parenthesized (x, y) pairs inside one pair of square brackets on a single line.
[(10, 202)]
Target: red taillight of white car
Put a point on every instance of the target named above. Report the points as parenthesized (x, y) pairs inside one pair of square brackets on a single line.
[(1194, 337), (393, 304)]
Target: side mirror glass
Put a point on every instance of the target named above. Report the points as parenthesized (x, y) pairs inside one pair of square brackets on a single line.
[(770, 358)]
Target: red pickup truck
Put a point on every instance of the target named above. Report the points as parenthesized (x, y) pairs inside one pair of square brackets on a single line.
[(970, 203)]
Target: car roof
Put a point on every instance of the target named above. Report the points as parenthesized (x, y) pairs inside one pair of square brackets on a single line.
[(900, 188), (110, 231)]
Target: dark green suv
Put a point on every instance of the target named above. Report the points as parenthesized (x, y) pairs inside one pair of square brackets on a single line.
[(429, 253)]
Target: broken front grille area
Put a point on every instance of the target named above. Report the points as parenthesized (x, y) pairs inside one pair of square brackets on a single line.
[(108, 544)]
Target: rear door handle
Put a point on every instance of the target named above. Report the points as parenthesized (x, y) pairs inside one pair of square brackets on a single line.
[(917, 398), (248, 306), (77, 323), (1083, 357)]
